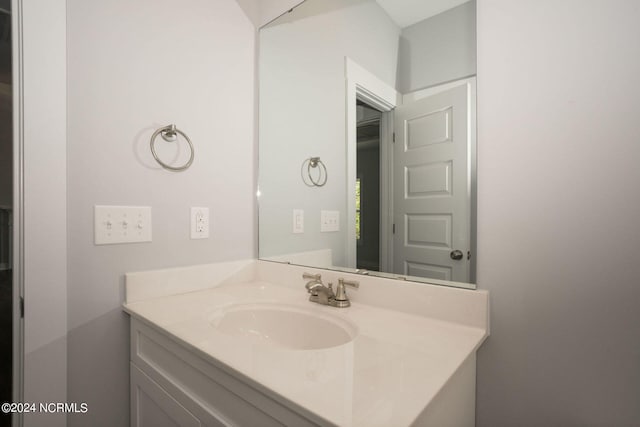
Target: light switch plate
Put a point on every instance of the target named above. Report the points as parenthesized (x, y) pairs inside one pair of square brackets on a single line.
[(329, 221), (121, 224), (298, 221)]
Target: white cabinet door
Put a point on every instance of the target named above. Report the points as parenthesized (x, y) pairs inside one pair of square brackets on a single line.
[(431, 186), (151, 406)]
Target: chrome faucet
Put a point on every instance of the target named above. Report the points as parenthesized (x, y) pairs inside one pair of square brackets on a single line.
[(319, 292), (324, 295)]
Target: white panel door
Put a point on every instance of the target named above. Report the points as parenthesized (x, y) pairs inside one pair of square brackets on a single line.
[(431, 186)]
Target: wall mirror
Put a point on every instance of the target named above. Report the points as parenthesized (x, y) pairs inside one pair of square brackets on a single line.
[(367, 138)]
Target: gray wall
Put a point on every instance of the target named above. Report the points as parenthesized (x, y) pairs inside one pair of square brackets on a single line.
[(133, 67), (558, 233), (438, 49)]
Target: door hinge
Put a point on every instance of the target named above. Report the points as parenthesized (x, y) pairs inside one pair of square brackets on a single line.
[(394, 137), (22, 307), (394, 229)]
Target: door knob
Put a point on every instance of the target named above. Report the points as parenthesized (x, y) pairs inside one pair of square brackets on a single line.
[(456, 254)]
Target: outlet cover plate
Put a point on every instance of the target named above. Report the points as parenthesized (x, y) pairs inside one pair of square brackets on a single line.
[(199, 223), (298, 221), (329, 221)]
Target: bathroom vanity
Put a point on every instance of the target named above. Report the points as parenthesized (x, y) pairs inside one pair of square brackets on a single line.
[(240, 344), (367, 160)]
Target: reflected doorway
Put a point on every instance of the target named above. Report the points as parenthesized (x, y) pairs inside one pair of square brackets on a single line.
[(368, 187)]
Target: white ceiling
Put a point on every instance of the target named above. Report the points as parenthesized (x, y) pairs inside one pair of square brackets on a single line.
[(408, 12)]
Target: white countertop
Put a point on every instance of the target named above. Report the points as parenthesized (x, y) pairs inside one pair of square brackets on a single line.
[(386, 376)]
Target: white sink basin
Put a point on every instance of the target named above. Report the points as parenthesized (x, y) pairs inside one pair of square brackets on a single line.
[(284, 326)]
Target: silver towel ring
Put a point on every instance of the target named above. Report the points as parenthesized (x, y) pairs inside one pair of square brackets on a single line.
[(312, 163), (169, 134)]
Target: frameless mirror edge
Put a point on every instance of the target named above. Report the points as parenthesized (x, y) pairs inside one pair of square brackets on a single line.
[(381, 275)]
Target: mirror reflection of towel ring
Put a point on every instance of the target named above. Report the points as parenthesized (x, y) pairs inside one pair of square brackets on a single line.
[(170, 134), (308, 176)]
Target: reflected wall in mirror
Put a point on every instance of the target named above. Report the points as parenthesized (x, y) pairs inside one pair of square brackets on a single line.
[(383, 92)]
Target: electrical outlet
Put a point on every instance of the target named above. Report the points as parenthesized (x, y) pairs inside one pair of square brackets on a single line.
[(121, 224), (199, 223)]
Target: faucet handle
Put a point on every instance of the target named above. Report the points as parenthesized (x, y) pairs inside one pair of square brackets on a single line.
[(352, 283), (308, 276), (341, 294)]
